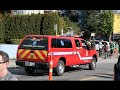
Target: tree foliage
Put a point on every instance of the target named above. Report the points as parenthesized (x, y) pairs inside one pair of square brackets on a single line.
[(72, 15), (1, 32), (105, 24), (98, 22), (17, 26), (75, 26), (90, 20), (48, 22)]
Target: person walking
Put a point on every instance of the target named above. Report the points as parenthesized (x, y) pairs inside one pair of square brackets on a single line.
[(105, 54), (119, 47), (116, 70), (5, 75), (116, 53), (100, 48), (111, 49)]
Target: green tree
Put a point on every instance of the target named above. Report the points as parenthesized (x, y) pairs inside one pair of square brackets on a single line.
[(62, 24), (38, 19), (18, 29), (105, 25), (48, 22), (91, 20), (98, 22), (7, 28), (75, 26), (24, 30), (72, 15), (1, 32)]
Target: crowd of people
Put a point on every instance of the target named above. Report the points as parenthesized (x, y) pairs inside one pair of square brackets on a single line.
[(115, 49), (103, 49)]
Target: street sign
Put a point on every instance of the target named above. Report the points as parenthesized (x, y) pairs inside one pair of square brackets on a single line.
[(92, 34)]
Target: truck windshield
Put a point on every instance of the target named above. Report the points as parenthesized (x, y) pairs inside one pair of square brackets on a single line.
[(35, 43)]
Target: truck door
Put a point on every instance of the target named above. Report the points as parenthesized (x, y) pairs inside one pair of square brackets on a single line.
[(84, 46), (86, 53), (79, 51)]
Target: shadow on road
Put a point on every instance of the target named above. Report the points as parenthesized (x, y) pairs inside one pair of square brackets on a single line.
[(103, 75), (21, 71)]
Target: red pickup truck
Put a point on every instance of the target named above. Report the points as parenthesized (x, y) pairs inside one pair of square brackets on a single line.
[(34, 53)]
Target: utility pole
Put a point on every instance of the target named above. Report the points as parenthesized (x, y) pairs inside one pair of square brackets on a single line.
[(110, 38), (55, 28), (62, 31)]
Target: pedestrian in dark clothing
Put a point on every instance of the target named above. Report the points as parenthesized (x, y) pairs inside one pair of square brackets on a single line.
[(119, 47), (5, 75), (92, 44), (116, 75), (100, 48), (105, 51), (111, 49)]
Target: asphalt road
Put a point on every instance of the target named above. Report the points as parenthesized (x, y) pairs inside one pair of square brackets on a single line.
[(103, 72)]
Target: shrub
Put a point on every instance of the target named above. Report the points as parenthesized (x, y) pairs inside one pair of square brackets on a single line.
[(15, 41)]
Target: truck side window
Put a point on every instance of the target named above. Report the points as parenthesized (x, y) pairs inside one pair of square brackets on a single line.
[(61, 43), (84, 44), (77, 43)]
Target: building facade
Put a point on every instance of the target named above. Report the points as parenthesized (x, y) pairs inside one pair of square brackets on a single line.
[(116, 27), (24, 12)]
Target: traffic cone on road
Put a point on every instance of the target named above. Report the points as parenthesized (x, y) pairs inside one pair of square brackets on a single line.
[(50, 68)]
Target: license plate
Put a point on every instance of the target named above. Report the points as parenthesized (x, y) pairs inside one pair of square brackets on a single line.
[(27, 63)]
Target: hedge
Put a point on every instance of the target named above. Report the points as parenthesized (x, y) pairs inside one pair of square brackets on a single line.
[(18, 26), (15, 41), (1, 32)]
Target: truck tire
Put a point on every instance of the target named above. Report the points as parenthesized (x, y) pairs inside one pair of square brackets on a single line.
[(29, 70), (92, 65), (59, 70)]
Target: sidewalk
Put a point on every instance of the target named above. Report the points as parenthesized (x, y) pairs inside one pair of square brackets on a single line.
[(112, 60), (12, 63)]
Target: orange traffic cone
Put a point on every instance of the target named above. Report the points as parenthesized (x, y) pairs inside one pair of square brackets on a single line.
[(50, 68)]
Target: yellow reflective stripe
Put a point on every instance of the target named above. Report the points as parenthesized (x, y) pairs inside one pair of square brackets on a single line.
[(23, 55), (40, 56), (34, 57), (20, 50), (45, 53), (29, 56)]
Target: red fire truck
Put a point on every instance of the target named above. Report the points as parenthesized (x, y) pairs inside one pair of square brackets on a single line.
[(34, 53)]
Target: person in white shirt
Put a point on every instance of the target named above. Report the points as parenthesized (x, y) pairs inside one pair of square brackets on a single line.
[(100, 48)]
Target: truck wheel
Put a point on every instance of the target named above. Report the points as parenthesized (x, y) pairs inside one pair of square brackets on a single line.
[(29, 70), (59, 70), (92, 65)]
